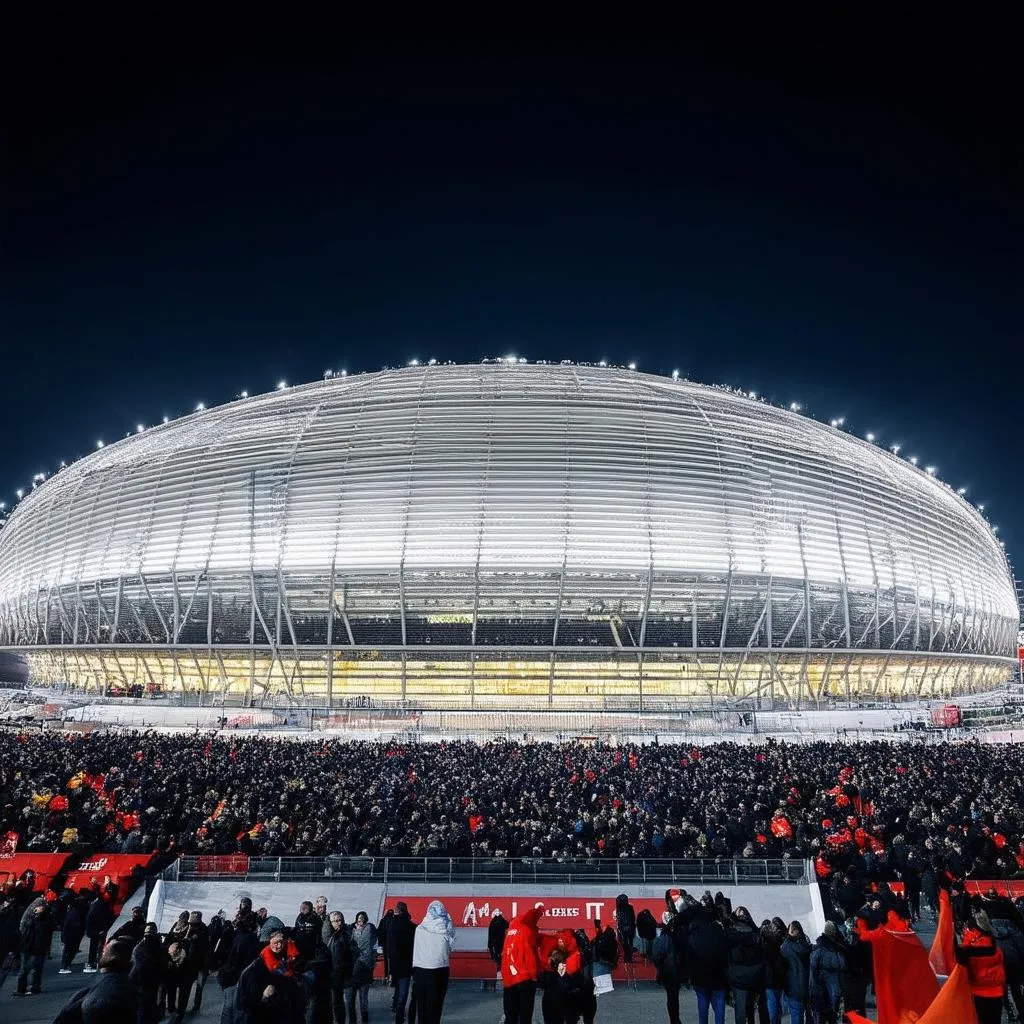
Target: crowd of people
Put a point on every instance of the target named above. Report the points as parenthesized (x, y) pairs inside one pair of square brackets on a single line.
[(320, 969), (953, 806)]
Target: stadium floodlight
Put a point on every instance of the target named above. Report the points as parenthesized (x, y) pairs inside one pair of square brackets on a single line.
[(981, 508), (245, 394), (913, 460), (632, 366), (281, 385), (511, 359), (603, 362), (139, 427), (870, 436), (895, 449), (200, 407), (753, 394), (99, 444), (675, 375), (995, 529), (961, 491), (834, 423), (63, 464), (414, 362), (344, 373), (3, 505), (20, 493), (431, 362), (930, 470)]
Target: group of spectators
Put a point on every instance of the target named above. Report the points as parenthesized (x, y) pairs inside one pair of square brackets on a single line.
[(955, 806), (320, 968)]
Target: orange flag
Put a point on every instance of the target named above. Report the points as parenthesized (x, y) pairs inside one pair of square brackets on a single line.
[(905, 983), (942, 957), (953, 1004)]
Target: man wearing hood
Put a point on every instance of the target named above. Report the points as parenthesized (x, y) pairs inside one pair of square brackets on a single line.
[(747, 964), (432, 946), (268, 924), (401, 939), (827, 964), (521, 966)]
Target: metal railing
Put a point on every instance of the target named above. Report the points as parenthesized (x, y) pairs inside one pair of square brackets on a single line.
[(483, 870)]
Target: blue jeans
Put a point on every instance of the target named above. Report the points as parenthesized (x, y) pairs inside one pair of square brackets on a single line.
[(796, 1011), (714, 999), (774, 998), (401, 998)]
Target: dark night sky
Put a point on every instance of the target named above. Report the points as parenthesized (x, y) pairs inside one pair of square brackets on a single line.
[(824, 209)]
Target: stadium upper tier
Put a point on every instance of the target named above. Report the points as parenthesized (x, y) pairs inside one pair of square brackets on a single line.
[(448, 525)]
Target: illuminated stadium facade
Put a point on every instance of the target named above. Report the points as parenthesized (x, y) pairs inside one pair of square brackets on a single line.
[(505, 536)]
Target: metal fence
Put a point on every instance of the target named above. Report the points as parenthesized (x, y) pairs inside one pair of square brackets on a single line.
[(482, 870)]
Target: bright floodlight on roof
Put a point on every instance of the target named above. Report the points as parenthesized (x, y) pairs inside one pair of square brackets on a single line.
[(981, 508), (632, 366), (99, 444), (870, 436), (961, 490), (794, 406), (19, 492), (281, 385), (930, 470), (913, 460), (675, 375), (139, 428), (414, 362), (895, 449), (200, 407), (245, 394), (431, 362)]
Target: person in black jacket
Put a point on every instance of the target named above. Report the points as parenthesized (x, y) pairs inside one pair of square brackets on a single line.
[(306, 931), (747, 965), (382, 939), (647, 931), (114, 999), (71, 934), (625, 926), (339, 952), (562, 989), (796, 948), (147, 972), (269, 990), (776, 968), (245, 947), (401, 935), (133, 929), (197, 958), (707, 961), (36, 934), (495, 940), (668, 962), (98, 919)]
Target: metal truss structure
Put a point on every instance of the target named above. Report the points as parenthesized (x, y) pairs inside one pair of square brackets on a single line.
[(501, 533)]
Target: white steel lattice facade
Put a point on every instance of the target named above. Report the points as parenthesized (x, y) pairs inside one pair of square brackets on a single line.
[(505, 535)]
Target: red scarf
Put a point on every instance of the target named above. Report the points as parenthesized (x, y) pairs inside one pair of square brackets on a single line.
[(286, 965)]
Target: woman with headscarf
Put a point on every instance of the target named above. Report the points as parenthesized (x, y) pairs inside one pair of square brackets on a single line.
[(432, 946), (362, 940)]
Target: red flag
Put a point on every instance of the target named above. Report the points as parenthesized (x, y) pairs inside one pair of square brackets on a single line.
[(942, 957), (953, 1005), (905, 983)]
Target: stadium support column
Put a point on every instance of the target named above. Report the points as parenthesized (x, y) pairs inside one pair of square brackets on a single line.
[(330, 637)]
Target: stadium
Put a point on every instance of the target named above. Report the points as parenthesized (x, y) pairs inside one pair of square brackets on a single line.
[(505, 536)]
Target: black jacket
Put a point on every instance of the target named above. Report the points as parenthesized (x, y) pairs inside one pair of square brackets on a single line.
[(74, 926), (99, 917), (707, 952), (306, 934), (112, 1000), (37, 933), (625, 920), (798, 958), (776, 965), (400, 935), (148, 962), (287, 1003), (646, 926), (339, 950), (496, 937), (747, 960), (245, 947)]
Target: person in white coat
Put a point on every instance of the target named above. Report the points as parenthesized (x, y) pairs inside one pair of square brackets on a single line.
[(431, 949)]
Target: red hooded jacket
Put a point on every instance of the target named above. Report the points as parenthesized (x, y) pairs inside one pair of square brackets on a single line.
[(567, 941), (520, 955)]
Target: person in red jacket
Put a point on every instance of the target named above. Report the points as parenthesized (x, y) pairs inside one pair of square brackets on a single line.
[(521, 966), (986, 970)]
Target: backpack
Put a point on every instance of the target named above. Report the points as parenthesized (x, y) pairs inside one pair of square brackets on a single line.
[(662, 954)]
